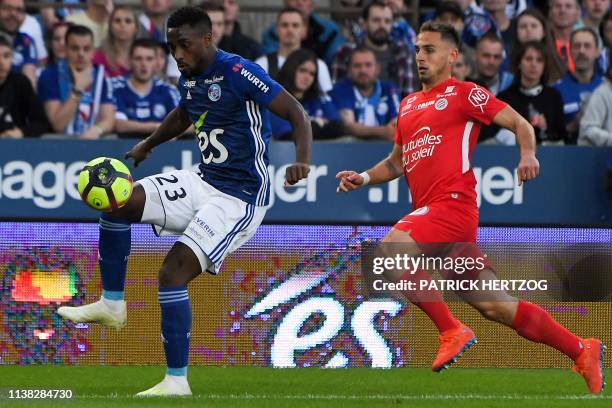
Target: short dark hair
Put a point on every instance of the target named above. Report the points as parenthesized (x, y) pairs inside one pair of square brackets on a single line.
[(360, 49), (365, 13), (5, 40), (447, 32), (490, 36), (212, 6), (191, 16), (147, 43), (585, 29), (78, 30), (287, 10)]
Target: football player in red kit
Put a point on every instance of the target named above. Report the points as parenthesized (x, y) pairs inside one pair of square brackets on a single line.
[(437, 130)]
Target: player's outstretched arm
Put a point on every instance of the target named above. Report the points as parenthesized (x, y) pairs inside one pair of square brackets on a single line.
[(528, 167), (386, 170), (175, 123), (288, 108)]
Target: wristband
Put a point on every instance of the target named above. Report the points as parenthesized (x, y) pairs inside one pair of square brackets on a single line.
[(366, 178)]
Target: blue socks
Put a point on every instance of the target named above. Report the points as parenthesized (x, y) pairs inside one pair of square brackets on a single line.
[(175, 327), (114, 248)]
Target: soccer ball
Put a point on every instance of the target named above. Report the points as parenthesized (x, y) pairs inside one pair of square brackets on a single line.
[(105, 184)]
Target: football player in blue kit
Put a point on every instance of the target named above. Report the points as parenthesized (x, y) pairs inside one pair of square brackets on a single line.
[(214, 210)]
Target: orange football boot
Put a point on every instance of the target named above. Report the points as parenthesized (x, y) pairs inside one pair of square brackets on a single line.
[(453, 343), (590, 364)]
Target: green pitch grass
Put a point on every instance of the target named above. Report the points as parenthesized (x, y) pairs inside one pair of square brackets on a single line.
[(266, 387)]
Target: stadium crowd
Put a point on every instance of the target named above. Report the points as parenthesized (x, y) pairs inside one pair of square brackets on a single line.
[(104, 69)]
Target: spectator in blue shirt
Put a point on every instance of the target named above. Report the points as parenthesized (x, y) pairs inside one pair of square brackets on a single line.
[(298, 76), (76, 94), (142, 100), (12, 15), (368, 106), (575, 87)]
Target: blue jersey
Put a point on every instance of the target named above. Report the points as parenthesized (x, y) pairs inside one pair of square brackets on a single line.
[(24, 51), (574, 94), (151, 107), (227, 105), (377, 109), (55, 84)]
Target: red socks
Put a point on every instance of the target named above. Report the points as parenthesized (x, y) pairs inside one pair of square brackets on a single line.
[(430, 302), (535, 324)]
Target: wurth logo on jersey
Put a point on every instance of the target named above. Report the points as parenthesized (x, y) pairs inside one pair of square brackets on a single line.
[(421, 145), (478, 97), (254, 80)]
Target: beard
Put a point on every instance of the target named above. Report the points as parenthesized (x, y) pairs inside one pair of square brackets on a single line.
[(379, 37)]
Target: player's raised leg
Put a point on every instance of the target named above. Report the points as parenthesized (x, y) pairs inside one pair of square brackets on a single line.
[(536, 324), (179, 268), (113, 251), (455, 337)]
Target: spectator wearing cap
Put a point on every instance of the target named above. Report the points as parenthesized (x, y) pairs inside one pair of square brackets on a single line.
[(234, 40), (290, 29), (323, 36), (25, 58), (395, 59), (21, 113)]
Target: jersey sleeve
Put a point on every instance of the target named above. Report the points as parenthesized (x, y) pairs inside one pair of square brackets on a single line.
[(250, 80), (182, 93), (480, 104), (48, 89)]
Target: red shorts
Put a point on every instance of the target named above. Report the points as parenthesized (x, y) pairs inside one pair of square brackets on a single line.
[(443, 221), (452, 223)]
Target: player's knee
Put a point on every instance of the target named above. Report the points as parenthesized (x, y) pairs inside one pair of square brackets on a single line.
[(180, 266), (133, 209), (490, 310)]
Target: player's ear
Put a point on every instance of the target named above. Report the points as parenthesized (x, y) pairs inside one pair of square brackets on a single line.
[(452, 56)]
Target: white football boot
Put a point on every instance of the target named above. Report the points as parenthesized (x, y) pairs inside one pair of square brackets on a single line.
[(171, 386), (98, 312)]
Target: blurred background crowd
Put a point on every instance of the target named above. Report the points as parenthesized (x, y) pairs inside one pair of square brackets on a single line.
[(101, 68)]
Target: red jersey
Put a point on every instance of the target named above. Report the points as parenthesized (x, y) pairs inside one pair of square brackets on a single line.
[(438, 131)]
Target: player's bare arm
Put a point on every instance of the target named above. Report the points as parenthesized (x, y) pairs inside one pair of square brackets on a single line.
[(357, 129), (288, 108), (173, 125), (528, 167), (386, 170)]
